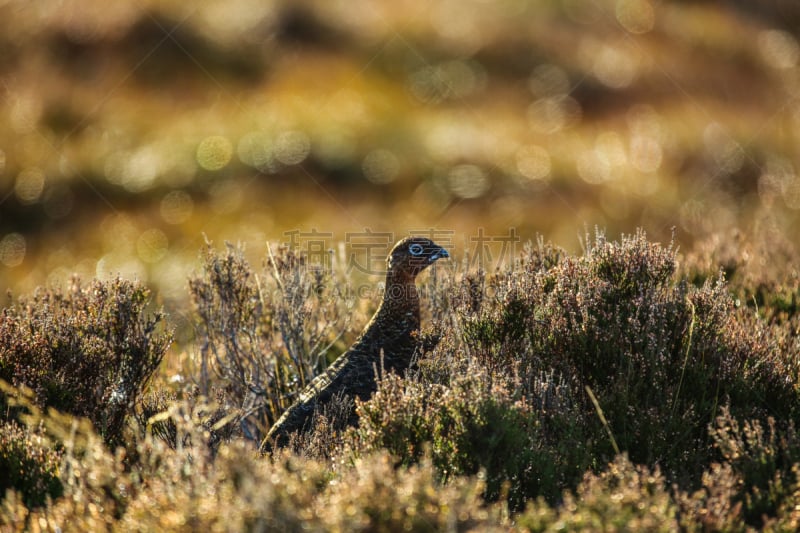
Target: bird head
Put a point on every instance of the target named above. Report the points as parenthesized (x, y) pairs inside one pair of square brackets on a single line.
[(412, 255)]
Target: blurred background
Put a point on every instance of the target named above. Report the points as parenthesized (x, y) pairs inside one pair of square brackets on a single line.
[(133, 130)]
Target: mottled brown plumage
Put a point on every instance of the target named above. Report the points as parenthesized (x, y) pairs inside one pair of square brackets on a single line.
[(388, 342)]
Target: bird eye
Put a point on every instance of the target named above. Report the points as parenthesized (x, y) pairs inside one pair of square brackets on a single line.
[(415, 249)]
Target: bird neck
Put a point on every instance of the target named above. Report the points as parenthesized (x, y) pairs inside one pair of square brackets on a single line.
[(400, 295)]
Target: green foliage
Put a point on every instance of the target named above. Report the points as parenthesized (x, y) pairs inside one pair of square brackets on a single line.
[(84, 350)]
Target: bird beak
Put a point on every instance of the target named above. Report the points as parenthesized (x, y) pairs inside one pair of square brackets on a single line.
[(441, 253)]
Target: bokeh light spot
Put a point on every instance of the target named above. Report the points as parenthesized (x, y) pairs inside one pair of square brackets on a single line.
[(152, 245), (593, 167), (116, 264), (636, 16), (425, 86), (468, 181), (604, 162), (462, 34), (170, 274), (142, 170), (12, 249), (611, 145), (449, 79), (292, 147), (552, 114), (381, 166), (29, 185), (778, 48), (643, 120), (214, 153), (646, 153), (255, 150), (176, 207), (533, 162), (135, 171), (615, 67), (450, 141), (25, 114), (693, 215)]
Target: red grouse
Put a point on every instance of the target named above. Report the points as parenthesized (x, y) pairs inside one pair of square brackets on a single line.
[(388, 342)]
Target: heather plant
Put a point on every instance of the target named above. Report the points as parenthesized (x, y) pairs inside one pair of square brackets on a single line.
[(195, 486), (264, 335), (557, 363), (154, 415), (28, 465), (378, 496), (28, 462), (661, 356), (328, 431), (760, 269), (88, 350), (477, 424), (623, 497), (188, 488), (605, 391), (759, 474), (85, 484)]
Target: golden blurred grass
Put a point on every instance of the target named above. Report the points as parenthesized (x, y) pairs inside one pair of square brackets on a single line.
[(132, 130)]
